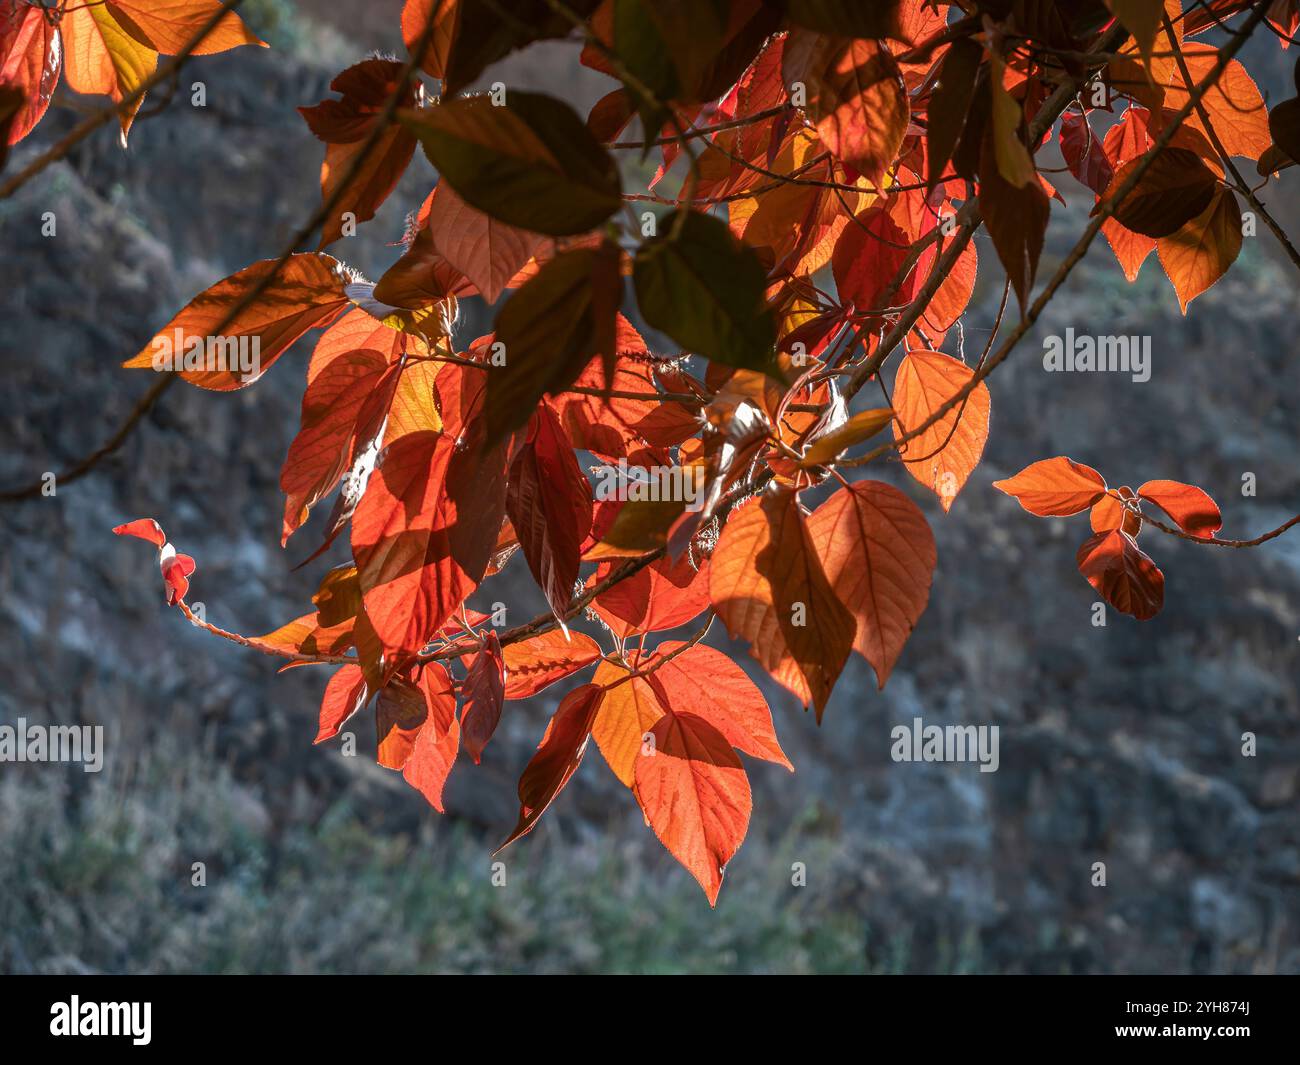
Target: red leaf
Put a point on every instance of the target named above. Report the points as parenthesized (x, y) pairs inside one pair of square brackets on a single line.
[(144, 529), (1122, 573), (434, 751), (549, 504), (661, 595), (176, 568), (1083, 152), (484, 692), (1055, 487), (557, 759), (867, 258), (345, 694), (31, 56), (1191, 508)]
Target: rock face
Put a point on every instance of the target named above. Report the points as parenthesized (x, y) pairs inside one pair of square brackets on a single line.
[(1120, 744)]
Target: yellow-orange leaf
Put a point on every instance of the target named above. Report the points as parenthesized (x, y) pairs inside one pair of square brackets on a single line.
[(167, 26), (1200, 253), (861, 426), (1055, 487), (944, 455), (101, 58)]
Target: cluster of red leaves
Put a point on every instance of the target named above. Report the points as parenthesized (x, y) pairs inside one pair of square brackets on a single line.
[(824, 150), (1110, 560)]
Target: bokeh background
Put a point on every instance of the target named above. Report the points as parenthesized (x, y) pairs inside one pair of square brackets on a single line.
[(1119, 744)]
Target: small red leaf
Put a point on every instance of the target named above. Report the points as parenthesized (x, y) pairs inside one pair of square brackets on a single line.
[(1190, 507), (345, 694), (558, 757), (1122, 573), (484, 692)]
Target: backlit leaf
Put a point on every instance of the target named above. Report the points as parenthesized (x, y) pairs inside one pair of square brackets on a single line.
[(942, 457), (1058, 486), (878, 554)]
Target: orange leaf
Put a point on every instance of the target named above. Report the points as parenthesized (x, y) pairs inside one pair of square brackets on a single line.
[(1200, 253), (879, 556), (435, 748), (1109, 513), (1122, 573), (415, 16), (557, 759), (536, 663), (711, 685), (943, 457), (306, 635), (768, 586), (422, 276), (102, 59), (168, 26), (1055, 487), (1191, 508), (401, 540), (306, 293), (486, 251), (1126, 140), (695, 795), (401, 713), (323, 448), (1233, 103), (345, 125)]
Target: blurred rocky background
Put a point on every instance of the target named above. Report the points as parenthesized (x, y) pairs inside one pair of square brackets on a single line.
[(1120, 744)]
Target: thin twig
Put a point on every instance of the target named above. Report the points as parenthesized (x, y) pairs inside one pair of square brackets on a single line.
[(327, 207)]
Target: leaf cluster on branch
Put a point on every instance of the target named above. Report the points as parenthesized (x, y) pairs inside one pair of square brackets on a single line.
[(822, 166)]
